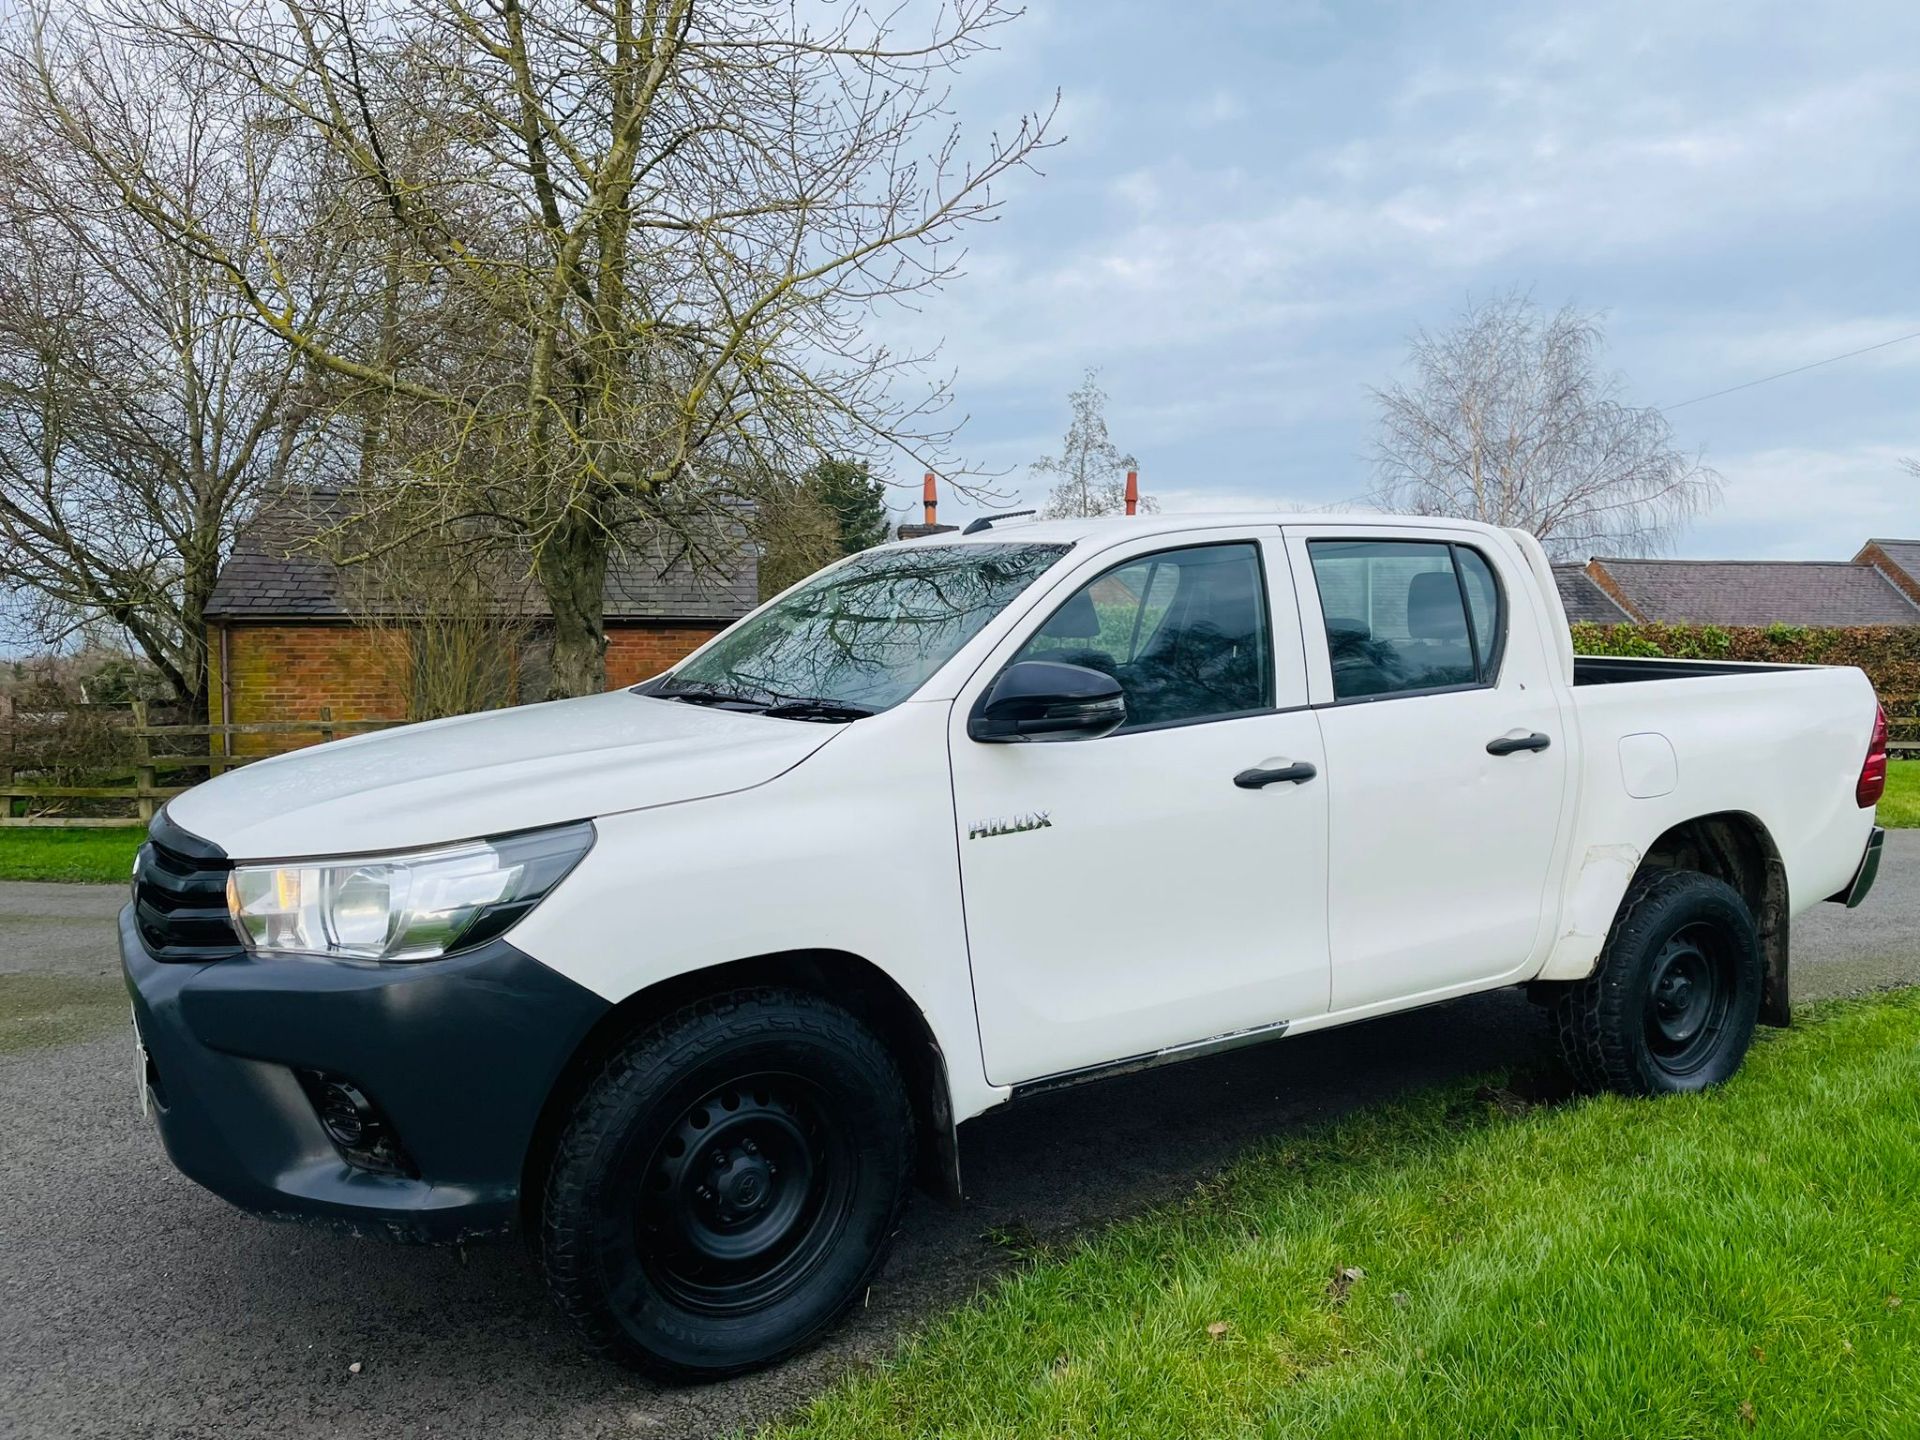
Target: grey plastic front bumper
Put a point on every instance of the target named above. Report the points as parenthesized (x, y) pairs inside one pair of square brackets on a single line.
[(459, 1054)]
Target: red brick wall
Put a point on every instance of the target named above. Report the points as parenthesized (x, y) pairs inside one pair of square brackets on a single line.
[(290, 671), (634, 654)]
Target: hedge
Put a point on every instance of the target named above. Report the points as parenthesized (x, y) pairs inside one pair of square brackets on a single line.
[(1889, 654)]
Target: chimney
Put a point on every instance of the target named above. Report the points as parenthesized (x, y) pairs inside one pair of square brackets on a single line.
[(930, 497), (1133, 492)]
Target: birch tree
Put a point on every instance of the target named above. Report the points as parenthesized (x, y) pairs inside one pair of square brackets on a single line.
[(1510, 418), (1089, 475)]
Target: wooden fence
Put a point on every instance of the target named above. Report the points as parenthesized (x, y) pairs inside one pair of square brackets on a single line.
[(145, 792)]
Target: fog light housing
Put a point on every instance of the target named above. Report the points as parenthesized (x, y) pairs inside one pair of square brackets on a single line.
[(358, 1128)]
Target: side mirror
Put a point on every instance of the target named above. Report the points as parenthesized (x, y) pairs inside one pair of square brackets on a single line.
[(1045, 700)]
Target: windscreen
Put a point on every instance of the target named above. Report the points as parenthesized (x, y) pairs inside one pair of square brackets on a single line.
[(866, 634)]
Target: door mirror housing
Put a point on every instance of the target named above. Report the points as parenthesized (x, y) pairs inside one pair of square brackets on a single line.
[(1046, 700)]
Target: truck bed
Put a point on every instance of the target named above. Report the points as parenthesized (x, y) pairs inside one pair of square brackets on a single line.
[(1780, 743), (1633, 670)]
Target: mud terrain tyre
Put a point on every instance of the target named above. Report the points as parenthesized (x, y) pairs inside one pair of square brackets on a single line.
[(728, 1185), (1671, 1006)]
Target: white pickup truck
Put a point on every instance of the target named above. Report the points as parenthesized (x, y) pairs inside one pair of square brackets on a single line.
[(689, 980)]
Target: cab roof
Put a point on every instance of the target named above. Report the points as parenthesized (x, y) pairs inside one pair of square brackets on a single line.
[(1110, 529)]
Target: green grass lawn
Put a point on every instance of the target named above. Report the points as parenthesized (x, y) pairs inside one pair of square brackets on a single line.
[(1900, 806), (103, 856), (1464, 1264)]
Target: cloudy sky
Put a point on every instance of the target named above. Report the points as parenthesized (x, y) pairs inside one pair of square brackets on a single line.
[(1258, 201)]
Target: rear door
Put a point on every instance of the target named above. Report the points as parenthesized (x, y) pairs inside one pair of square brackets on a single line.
[(1124, 895), (1446, 756)]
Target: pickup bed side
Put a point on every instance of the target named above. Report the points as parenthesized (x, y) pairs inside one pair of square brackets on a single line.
[(1767, 759)]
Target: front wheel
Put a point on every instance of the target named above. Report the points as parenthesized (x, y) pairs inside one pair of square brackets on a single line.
[(728, 1186), (1672, 1004)]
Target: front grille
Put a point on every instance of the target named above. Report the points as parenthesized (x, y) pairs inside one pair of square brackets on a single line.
[(180, 895)]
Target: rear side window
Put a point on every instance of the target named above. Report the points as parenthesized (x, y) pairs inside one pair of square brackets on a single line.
[(1406, 615), (1184, 632)]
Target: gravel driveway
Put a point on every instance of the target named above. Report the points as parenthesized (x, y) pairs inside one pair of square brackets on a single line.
[(133, 1303)]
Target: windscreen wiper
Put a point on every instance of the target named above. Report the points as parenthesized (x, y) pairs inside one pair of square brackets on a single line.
[(813, 707), (781, 707), (707, 696)]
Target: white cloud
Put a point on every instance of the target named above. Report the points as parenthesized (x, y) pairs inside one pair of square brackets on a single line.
[(1220, 107), (1248, 240), (1793, 503), (1753, 347)]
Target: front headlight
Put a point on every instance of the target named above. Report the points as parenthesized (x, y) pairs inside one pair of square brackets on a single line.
[(416, 906)]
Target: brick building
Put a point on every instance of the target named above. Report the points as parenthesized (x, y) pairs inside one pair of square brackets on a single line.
[(284, 645), (1898, 560), (1879, 586)]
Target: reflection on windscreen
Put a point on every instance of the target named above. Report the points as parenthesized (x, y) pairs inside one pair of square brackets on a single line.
[(867, 634)]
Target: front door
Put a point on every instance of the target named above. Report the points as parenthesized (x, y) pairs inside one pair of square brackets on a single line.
[(1447, 757), (1124, 895)]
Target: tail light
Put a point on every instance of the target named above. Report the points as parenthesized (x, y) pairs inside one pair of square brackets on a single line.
[(1873, 774)]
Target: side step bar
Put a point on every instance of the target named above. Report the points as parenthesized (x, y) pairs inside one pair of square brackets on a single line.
[(1191, 1050)]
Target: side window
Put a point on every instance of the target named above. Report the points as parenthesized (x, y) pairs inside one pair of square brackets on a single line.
[(1483, 609), (1406, 615), (1184, 632)]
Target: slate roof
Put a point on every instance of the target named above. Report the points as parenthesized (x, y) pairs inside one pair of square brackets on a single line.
[(275, 572), (1904, 556), (1760, 592), (1583, 599)]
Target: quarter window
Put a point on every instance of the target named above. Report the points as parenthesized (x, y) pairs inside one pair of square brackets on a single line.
[(1406, 615), (1483, 608), (1184, 632)]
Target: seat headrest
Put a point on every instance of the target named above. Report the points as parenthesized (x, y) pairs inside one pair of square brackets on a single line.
[(1228, 598), (1078, 619), (1433, 607)]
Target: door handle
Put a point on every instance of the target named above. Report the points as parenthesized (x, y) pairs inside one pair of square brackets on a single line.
[(1507, 745), (1260, 779)]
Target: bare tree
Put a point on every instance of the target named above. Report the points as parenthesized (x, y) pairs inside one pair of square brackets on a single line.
[(656, 227), (1510, 419), (451, 620), (838, 508), (1089, 475), (797, 536), (140, 412)]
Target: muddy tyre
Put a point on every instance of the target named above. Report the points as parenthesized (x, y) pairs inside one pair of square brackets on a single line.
[(728, 1185), (1672, 1004)]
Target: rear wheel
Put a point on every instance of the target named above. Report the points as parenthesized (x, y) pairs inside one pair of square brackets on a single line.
[(728, 1186), (1672, 1004)]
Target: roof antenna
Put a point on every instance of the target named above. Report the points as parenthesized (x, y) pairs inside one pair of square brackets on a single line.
[(985, 522)]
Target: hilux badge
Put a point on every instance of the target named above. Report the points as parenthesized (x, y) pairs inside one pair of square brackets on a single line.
[(1033, 820)]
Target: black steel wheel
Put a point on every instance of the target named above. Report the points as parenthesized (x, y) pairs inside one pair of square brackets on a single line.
[(1673, 1002), (727, 1188), (745, 1196), (1690, 993)]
